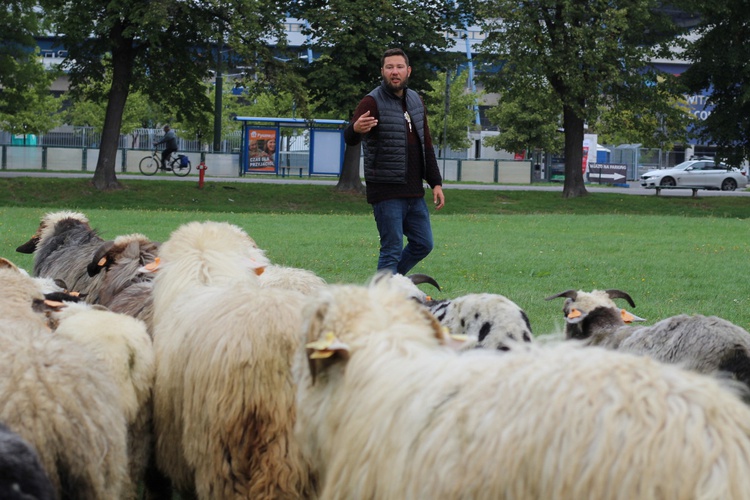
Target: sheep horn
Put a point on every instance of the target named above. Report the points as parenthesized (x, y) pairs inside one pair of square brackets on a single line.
[(418, 279), (619, 294), (571, 294), (94, 266)]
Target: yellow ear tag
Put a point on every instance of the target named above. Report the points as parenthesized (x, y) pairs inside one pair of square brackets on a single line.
[(574, 313), (325, 347)]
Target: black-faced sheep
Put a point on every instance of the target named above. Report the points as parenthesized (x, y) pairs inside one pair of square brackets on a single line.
[(706, 344), (224, 396), (58, 396), (62, 246), (386, 411), (22, 476)]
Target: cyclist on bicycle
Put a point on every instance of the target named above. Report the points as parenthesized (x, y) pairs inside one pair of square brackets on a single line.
[(170, 146)]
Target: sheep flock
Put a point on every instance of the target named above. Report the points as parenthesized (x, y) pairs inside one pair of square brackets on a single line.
[(198, 368)]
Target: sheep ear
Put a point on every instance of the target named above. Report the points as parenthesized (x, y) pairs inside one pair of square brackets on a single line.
[(29, 246), (6, 264), (323, 349), (570, 294), (100, 259)]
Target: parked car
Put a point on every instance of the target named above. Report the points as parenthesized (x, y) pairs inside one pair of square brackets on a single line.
[(696, 174)]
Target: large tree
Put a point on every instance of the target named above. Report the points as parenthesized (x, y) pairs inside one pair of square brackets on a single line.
[(164, 49), (25, 101), (591, 54), (351, 36), (719, 53)]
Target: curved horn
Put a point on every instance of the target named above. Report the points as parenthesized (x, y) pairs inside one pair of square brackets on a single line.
[(570, 294), (418, 279), (96, 265), (619, 294)]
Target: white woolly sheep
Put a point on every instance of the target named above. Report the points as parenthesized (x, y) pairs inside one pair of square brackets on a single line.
[(224, 396), (22, 476), (291, 278), (62, 246), (705, 344), (385, 411), (124, 347), (57, 396)]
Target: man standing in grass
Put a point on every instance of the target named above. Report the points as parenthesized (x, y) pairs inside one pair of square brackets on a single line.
[(398, 152)]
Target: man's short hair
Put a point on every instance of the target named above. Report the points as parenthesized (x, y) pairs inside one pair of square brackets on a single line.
[(166, 127), (391, 53)]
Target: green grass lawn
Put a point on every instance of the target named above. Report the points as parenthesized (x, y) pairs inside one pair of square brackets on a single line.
[(671, 254)]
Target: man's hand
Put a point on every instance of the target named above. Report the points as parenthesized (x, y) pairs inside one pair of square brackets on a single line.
[(364, 123), (438, 197)]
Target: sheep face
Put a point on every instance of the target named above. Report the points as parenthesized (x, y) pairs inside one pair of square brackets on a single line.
[(592, 313)]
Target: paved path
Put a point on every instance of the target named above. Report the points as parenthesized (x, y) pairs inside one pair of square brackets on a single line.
[(592, 188)]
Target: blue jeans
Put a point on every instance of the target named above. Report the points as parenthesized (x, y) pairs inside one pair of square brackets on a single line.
[(398, 218)]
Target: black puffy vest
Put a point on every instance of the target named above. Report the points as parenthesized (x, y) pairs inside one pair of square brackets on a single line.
[(385, 146)]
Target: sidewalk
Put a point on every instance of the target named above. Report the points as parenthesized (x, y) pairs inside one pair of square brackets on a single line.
[(634, 189)]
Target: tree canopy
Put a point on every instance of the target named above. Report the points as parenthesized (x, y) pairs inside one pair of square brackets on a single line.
[(163, 49), (590, 54), (719, 53)]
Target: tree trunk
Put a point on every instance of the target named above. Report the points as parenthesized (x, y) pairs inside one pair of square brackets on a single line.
[(123, 55), (573, 124), (349, 180)]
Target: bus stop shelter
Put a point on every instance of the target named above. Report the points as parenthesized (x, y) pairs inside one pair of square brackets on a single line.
[(261, 136)]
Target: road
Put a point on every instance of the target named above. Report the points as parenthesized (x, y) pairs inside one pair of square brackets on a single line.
[(634, 189)]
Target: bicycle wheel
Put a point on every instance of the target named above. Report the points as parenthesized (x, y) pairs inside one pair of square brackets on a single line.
[(148, 165), (179, 170)]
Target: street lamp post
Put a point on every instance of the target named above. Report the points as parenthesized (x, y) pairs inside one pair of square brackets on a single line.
[(217, 102)]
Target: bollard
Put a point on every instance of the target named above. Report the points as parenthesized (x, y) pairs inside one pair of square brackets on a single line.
[(201, 174)]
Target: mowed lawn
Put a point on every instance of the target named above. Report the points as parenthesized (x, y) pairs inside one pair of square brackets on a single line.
[(671, 254)]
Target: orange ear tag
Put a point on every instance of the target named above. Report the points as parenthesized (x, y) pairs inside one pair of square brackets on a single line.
[(152, 266), (574, 313), (626, 316), (259, 270), (102, 261)]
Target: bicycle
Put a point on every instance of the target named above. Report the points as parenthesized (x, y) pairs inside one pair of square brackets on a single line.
[(149, 165)]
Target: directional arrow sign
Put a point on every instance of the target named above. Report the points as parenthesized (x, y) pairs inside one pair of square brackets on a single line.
[(608, 173)]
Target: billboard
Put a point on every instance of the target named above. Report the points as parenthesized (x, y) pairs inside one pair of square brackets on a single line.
[(261, 150)]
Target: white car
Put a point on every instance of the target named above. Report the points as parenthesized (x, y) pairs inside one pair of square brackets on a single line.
[(695, 174)]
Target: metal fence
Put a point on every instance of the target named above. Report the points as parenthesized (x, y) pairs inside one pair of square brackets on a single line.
[(142, 138)]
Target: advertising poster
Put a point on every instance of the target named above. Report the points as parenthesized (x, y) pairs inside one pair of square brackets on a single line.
[(261, 150)]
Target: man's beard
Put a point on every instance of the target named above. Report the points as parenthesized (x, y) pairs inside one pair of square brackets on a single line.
[(395, 88)]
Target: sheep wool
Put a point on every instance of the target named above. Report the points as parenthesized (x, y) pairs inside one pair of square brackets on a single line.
[(386, 410), (224, 406), (124, 348)]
